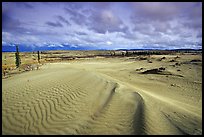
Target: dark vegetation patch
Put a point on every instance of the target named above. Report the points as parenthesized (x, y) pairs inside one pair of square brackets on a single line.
[(194, 62), (160, 71), (139, 69)]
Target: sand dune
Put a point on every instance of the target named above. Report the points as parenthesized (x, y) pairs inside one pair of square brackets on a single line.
[(63, 98), (68, 102)]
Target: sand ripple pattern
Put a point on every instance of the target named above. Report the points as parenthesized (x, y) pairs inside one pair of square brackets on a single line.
[(68, 101)]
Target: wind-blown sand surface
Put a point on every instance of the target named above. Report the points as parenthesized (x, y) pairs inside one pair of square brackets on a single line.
[(104, 96)]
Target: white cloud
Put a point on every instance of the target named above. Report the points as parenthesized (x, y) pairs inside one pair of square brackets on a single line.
[(109, 43), (3, 42)]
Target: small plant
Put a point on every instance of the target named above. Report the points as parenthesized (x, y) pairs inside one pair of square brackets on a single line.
[(5, 59), (126, 53), (18, 60), (149, 61), (4, 72), (113, 53), (123, 53)]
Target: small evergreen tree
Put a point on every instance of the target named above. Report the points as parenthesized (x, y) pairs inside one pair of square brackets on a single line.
[(38, 57), (18, 60)]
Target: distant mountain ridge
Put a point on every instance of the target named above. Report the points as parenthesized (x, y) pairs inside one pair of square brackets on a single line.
[(46, 47), (9, 47), (187, 49)]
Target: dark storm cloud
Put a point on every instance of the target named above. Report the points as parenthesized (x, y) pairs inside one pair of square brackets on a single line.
[(101, 5), (99, 19), (62, 19), (9, 23), (54, 24), (199, 34), (27, 5), (130, 24), (172, 20), (194, 24), (81, 33), (164, 11), (76, 16), (104, 21)]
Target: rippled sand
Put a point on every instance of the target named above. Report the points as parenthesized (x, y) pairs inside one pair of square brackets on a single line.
[(102, 96)]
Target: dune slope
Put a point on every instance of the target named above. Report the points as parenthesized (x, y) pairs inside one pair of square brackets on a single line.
[(68, 101)]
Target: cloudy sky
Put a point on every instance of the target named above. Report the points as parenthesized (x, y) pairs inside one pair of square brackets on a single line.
[(109, 25)]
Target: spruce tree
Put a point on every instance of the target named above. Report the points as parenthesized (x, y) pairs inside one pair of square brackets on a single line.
[(18, 60), (38, 57)]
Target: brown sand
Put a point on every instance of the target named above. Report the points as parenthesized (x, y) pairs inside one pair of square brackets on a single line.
[(105, 96)]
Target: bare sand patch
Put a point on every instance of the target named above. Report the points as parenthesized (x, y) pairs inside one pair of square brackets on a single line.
[(104, 96)]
